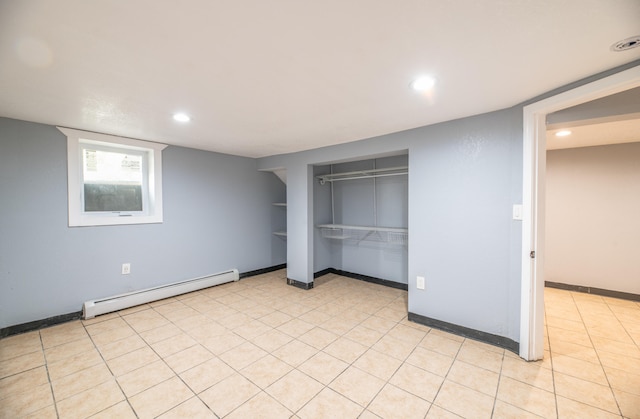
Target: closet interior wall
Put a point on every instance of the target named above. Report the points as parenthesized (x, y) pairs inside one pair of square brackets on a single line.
[(380, 201)]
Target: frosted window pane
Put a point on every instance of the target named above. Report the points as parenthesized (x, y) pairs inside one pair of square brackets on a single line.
[(112, 181)]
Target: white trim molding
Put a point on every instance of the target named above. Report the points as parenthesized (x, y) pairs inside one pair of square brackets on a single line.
[(77, 216)]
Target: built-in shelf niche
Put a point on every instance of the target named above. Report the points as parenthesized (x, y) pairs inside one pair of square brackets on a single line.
[(284, 206)]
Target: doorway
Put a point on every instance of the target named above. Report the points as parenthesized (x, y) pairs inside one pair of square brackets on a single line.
[(533, 199)]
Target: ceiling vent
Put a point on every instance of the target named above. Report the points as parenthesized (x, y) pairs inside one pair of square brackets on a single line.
[(626, 44)]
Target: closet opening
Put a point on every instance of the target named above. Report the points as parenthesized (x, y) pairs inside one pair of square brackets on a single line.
[(361, 219)]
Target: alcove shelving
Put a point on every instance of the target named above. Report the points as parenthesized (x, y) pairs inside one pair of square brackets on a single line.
[(280, 233)]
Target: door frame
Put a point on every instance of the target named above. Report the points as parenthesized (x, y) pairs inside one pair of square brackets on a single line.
[(533, 199)]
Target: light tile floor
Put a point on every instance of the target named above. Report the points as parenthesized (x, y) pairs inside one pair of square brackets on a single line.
[(260, 348)]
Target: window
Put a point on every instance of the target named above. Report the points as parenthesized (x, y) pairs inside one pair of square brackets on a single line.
[(113, 180)]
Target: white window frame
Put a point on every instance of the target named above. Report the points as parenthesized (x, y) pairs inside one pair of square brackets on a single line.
[(152, 203)]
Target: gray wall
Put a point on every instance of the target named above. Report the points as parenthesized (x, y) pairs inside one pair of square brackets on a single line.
[(217, 215), (464, 178), (593, 217), (612, 106), (465, 175)]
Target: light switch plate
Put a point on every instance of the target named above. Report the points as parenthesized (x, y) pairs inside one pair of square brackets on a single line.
[(420, 282), (517, 212)]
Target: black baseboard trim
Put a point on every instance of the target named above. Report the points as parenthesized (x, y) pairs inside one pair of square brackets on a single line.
[(591, 290), (262, 271), (466, 332), (360, 277), (324, 272), (39, 324), (300, 284)]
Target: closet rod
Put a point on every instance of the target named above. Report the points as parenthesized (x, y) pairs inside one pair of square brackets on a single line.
[(360, 174), (322, 180)]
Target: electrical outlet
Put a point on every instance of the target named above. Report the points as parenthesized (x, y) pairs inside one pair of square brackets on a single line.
[(126, 268), (420, 282)]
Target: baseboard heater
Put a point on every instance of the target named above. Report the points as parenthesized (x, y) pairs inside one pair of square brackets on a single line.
[(93, 308)]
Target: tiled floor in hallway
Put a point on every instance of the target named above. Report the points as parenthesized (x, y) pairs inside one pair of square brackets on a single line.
[(260, 348)]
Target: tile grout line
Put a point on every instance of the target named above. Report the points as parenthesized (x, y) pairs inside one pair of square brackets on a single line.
[(109, 368), (46, 366), (597, 354), (621, 324), (122, 316), (495, 397), (261, 390), (327, 386), (396, 370), (445, 378), (196, 395), (553, 371)]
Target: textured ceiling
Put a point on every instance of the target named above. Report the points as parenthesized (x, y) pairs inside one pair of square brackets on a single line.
[(269, 77)]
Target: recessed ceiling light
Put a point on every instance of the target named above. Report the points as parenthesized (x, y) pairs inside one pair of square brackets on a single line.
[(181, 117), (563, 133), (423, 83), (626, 44)]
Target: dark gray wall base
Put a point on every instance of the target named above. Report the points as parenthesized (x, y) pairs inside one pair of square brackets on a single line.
[(39, 324), (466, 332), (300, 284), (361, 277), (262, 271), (324, 272), (379, 281), (591, 290)]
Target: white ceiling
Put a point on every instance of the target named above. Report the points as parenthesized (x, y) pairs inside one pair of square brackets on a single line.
[(266, 77), (592, 133)]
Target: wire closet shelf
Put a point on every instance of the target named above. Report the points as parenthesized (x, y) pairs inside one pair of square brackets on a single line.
[(391, 235)]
